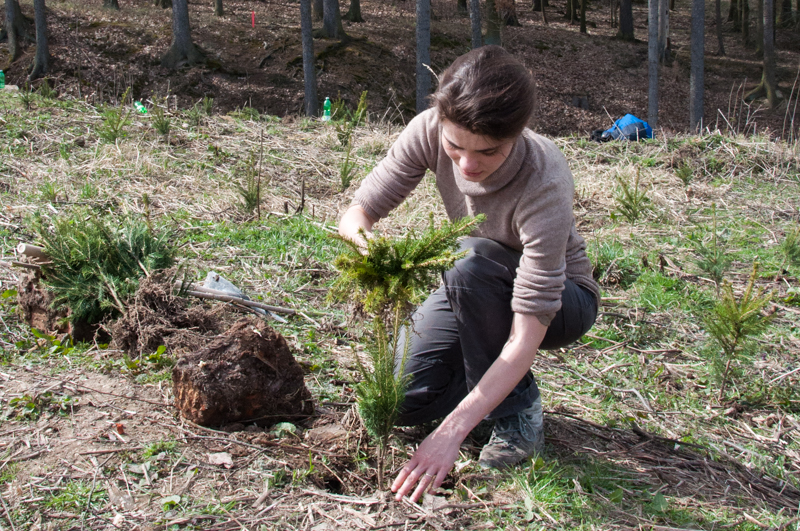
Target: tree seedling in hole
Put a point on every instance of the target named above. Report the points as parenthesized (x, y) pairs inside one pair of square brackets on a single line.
[(384, 277)]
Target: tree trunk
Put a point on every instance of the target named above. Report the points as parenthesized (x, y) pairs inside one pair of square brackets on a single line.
[(696, 81), (785, 14), (218, 11), (767, 86), (569, 13), (583, 16), (40, 62), (718, 15), (733, 15), (182, 51), (423, 53), (760, 27), (332, 22), (625, 20), (507, 10), (541, 7), (317, 9), (744, 13), (164, 4), (111, 4), (652, 63), (354, 13), (310, 102), (475, 23), (663, 30), (462, 9), (493, 24), (17, 29)]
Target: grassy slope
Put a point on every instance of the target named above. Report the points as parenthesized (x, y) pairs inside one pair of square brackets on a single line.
[(646, 368)]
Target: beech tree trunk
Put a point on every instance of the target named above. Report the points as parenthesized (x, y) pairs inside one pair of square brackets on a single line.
[(652, 63), (507, 10), (493, 24), (785, 13), (111, 4), (40, 62), (218, 10), (354, 13), (767, 86), (310, 102), (625, 21), (744, 14), (583, 16), (332, 22), (696, 76), (475, 23), (317, 9), (182, 51), (423, 53), (733, 15), (663, 30), (17, 29), (718, 15), (759, 26), (569, 13)]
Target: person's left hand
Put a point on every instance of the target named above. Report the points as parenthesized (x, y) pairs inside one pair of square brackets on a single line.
[(429, 465)]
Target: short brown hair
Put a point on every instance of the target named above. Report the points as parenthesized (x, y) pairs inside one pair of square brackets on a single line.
[(488, 92)]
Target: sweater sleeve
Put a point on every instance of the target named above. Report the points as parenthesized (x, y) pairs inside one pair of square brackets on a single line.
[(544, 221), (394, 178)]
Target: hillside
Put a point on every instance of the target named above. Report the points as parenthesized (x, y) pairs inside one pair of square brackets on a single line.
[(641, 433), (98, 53)]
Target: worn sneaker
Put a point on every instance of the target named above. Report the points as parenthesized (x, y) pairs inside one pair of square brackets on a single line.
[(515, 438)]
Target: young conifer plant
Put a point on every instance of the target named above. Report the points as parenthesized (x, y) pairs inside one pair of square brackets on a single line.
[(734, 322), (384, 278), (96, 261)]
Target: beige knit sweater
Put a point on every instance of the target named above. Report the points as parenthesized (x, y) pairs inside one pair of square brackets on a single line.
[(527, 202)]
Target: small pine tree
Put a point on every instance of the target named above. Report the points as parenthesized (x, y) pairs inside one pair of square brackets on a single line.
[(732, 323), (384, 279)]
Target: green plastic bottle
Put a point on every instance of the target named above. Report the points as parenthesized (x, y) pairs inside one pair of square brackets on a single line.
[(326, 110), (139, 107), (2, 80)]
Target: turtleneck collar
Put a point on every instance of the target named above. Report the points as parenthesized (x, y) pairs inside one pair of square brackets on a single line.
[(500, 178)]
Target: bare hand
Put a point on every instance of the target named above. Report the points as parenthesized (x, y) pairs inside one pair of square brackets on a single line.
[(429, 466)]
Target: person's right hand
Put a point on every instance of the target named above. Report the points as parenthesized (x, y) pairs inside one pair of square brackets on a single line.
[(356, 226)]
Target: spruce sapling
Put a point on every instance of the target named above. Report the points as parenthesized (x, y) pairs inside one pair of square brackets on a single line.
[(732, 323), (96, 263), (384, 277)]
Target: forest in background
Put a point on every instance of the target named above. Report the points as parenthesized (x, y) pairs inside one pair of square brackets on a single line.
[(252, 57)]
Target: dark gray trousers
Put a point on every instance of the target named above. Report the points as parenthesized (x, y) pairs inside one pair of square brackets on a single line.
[(460, 330)]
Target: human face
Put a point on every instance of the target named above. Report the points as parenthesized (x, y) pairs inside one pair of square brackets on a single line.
[(476, 156)]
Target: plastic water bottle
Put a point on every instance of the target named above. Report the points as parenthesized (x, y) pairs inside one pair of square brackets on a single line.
[(2, 80), (326, 110), (139, 107)]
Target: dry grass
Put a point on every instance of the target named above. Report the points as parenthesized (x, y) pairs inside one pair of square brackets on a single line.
[(636, 397)]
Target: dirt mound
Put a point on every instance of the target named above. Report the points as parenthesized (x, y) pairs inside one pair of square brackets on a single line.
[(157, 317), (246, 375), (35, 302)]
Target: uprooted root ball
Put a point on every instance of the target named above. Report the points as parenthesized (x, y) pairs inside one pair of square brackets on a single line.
[(157, 317)]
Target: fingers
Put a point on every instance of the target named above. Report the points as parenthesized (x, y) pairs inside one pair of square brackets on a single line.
[(424, 481)]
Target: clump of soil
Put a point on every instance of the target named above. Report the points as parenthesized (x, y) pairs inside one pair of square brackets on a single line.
[(157, 317), (35, 302), (246, 375)]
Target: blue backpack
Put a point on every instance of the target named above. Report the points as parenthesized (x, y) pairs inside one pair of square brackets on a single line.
[(628, 127)]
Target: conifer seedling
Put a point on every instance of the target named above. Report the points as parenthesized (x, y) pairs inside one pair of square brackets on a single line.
[(383, 277), (733, 322)]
